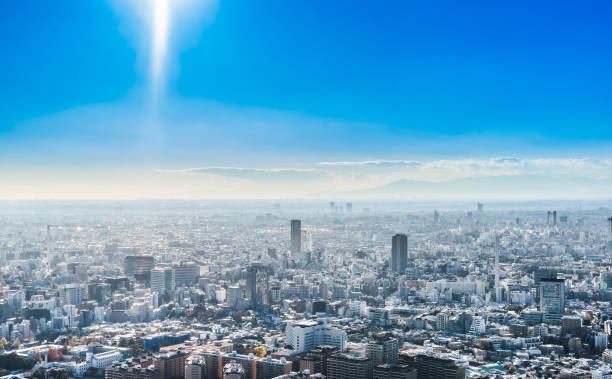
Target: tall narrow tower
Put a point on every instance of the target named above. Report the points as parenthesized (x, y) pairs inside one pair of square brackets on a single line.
[(399, 253), (498, 291), (48, 252), (296, 236), (610, 223)]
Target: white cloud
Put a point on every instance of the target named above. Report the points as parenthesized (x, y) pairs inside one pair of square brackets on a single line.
[(449, 169), (254, 173), (373, 163), (346, 176)]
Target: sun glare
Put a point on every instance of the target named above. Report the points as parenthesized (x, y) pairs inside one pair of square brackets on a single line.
[(160, 25)]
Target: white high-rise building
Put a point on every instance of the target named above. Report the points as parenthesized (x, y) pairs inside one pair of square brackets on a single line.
[(308, 334), (98, 315), (70, 311), (72, 294), (162, 280)]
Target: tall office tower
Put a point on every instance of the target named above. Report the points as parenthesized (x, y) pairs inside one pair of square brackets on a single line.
[(48, 255), (552, 296), (257, 284), (538, 275), (195, 367), (399, 253), (162, 280), (100, 292), (548, 218), (296, 236), (498, 289), (470, 216), (436, 217), (139, 266), (349, 207), (186, 273), (382, 349), (347, 366), (610, 223), (480, 207), (73, 293), (554, 214)]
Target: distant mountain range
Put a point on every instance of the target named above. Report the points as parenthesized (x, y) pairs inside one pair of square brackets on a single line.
[(491, 187)]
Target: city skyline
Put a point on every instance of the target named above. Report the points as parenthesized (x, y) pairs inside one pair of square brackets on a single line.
[(206, 189)]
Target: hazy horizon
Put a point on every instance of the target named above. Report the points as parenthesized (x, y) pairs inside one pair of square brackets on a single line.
[(203, 99)]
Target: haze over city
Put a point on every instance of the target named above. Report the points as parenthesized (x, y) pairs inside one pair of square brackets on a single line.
[(206, 189)]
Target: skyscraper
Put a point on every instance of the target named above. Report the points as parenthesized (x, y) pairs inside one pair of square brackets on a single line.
[(399, 253), (257, 284), (186, 273), (552, 296), (498, 289), (548, 218), (139, 266), (296, 236), (162, 280)]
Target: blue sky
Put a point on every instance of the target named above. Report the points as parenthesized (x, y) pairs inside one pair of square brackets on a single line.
[(257, 94)]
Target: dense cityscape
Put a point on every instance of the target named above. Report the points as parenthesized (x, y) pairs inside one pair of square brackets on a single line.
[(273, 189), (305, 289)]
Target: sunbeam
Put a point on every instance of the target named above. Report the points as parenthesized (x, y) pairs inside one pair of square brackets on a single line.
[(159, 33)]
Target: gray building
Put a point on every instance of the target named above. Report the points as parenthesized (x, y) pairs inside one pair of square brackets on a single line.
[(296, 236), (257, 284), (552, 296), (399, 253)]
